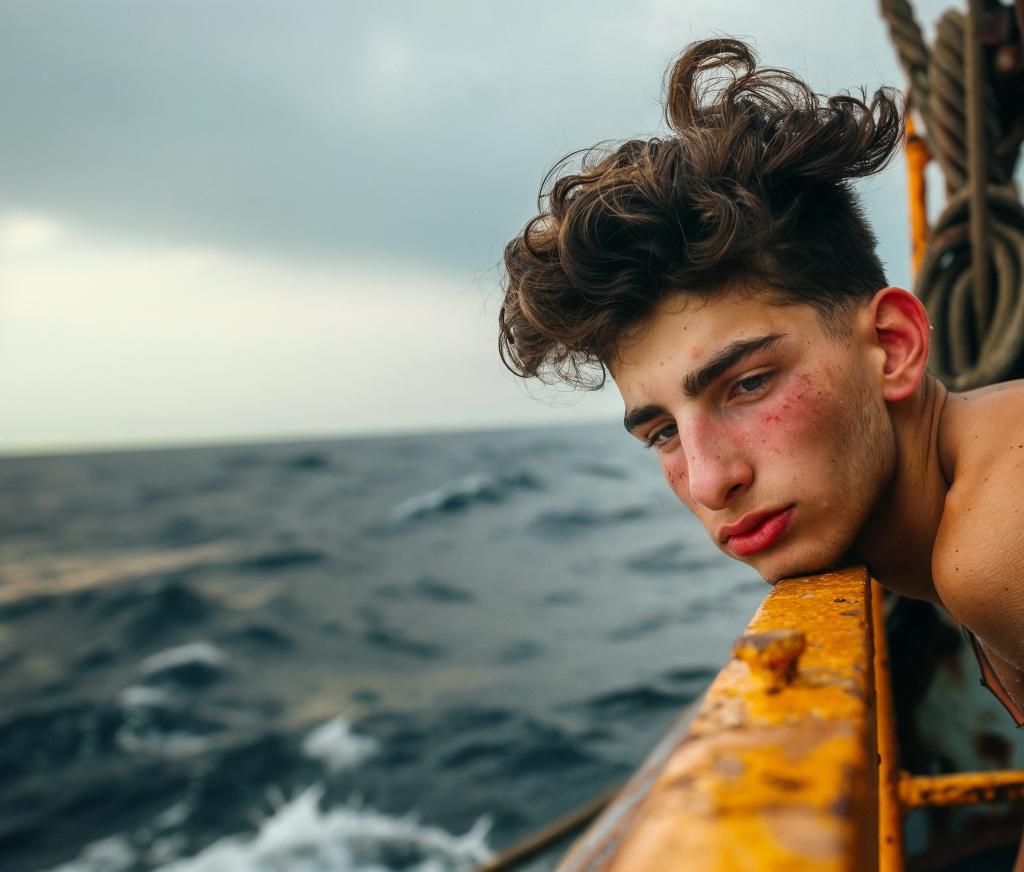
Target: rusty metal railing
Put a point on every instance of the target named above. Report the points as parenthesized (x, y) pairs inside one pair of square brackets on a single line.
[(791, 761), (778, 770)]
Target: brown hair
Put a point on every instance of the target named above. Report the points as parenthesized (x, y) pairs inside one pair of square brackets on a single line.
[(749, 191)]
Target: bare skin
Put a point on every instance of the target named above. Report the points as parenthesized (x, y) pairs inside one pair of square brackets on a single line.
[(863, 453)]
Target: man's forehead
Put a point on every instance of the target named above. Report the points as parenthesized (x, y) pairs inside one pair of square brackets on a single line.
[(694, 328)]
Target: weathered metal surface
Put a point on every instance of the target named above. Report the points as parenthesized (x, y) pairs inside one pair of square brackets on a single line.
[(771, 656), (890, 810), (778, 770), (962, 788)]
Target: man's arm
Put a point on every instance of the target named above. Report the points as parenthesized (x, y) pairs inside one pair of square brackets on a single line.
[(978, 557)]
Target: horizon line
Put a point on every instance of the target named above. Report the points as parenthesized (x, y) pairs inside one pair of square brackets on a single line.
[(27, 451)]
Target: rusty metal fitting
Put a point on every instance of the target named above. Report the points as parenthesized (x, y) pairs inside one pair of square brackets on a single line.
[(771, 655)]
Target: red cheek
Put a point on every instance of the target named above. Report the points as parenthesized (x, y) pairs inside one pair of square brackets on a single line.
[(793, 410)]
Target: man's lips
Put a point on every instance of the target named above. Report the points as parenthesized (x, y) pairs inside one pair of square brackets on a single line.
[(756, 531)]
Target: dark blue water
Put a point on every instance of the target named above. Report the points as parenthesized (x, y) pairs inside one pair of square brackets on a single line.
[(377, 654)]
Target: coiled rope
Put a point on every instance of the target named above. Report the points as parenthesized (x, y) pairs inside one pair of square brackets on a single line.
[(972, 277)]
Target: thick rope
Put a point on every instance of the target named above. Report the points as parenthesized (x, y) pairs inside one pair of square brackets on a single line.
[(906, 36), (975, 344), (946, 109), (967, 352)]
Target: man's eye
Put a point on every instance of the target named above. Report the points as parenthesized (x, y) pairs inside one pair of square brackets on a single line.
[(661, 436), (751, 384)]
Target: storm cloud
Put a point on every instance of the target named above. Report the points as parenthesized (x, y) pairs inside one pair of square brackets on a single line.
[(410, 131)]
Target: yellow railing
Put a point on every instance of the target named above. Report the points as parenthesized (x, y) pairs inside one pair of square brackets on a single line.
[(791, 761)]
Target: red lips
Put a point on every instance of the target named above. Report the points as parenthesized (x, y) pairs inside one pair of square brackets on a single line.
[(755, 531)]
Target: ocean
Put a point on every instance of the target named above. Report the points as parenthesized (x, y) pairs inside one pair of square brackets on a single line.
[(356, 655)]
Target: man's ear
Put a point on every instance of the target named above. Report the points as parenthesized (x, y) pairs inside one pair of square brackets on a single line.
[(900, 329)]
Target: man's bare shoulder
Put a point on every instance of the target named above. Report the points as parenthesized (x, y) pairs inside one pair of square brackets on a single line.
[(978, 424), (978, 557)]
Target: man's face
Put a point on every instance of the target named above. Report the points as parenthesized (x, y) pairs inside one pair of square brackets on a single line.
[(774, 434)]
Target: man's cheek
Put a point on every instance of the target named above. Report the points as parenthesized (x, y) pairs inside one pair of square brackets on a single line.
[(675, 474), (814, 397), (786, 418)]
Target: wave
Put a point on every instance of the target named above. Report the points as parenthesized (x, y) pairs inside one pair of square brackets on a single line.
[(84, 573), (310, 460), (336, 746), (155, 720), (391, 639), (301, 837), (579, 520), (701, 675), (458, 495), (379, 634), (191, 665), (499, 747), (519, 650), (426, 587), (113, 854), (603, 470), (183, 529), (691, 612), (643, 626), (26, 605), (284, 558), (666, 558), (638, 699), (262, 635), (150, 611)]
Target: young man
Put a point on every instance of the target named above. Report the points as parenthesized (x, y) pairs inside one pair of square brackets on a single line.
[(726, 279)]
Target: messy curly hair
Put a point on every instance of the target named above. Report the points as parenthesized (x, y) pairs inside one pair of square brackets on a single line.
[(749, 191)]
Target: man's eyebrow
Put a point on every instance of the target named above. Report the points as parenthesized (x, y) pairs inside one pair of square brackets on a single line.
[(697, 382), (641, 416)]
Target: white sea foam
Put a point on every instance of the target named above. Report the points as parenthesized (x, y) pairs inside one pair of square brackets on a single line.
[(300, 837), (337, 746), (143, 741), (114, 854), (468, 488), (141, 734), (457, 494), (172, 816), (200, 653), (138, 697)]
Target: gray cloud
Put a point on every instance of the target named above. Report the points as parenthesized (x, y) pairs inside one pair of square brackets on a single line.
[(413, 132)]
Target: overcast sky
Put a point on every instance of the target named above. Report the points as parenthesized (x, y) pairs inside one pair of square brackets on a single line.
[(240, 220)]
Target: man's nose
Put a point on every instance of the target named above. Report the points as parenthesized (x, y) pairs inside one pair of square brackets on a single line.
[(717, 471)]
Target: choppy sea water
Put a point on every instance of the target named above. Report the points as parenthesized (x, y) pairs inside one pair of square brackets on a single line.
[(356, 655)]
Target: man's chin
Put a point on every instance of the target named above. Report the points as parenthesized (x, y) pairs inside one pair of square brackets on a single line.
[(794, 559), (774, 572)]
